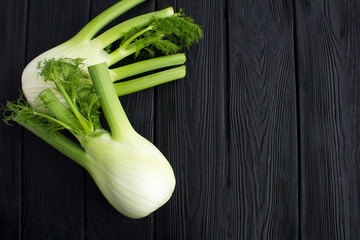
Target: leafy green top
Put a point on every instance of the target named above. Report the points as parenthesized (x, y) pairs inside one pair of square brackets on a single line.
[(21, 106), (167, 35), (70, 74), (74, 84)]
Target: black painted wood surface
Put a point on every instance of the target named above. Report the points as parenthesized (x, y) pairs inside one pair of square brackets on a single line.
[(328, 57), (262, 133)]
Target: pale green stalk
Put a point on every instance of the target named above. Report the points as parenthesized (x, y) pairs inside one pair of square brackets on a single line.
[(58, 109), (127, 87), (114, 113), (119, 30), (120, 54), (55, 139), (95, 25), (147, 65)]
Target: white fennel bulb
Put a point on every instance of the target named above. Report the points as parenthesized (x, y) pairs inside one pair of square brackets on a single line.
[(161, 31), (134, 177)]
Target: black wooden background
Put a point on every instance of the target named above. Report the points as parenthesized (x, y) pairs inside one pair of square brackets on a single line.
[(263, 133)]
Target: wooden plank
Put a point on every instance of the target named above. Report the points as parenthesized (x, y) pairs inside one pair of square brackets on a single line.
[(102, 220), (53, 185), (190, 130), (263, 179), (328, 35), (12, 59)]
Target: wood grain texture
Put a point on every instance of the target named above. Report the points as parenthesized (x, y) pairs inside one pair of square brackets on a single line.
[(329, 101), (12, 48), (102, 220), (263, 133), (262, 185), (190, 130), (53, 185)]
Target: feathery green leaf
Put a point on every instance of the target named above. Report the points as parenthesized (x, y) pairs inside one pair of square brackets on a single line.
[(71, 74), (166, 35)]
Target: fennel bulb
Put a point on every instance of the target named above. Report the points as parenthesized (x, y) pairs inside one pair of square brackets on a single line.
[(142, 35), (134, 176), (130, 171)]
